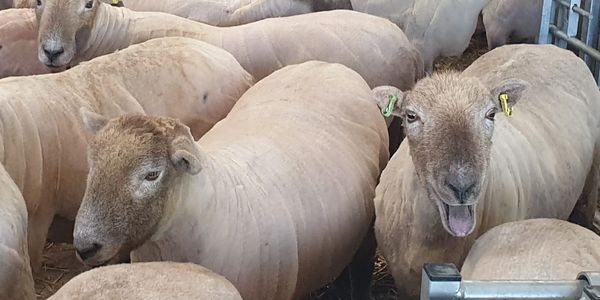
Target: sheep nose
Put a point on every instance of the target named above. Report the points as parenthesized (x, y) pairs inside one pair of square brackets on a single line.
[(52, 53), (462, 189), (86, 253)]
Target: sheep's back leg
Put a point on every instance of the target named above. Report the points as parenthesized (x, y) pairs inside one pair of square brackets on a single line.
[(355, 281)]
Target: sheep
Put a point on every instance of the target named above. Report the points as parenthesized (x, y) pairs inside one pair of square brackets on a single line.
[(374, 47), (536, 249), (229, 13), (516, 19), (18, 44), (6, 4), (41, 135), (459, 172), (277, 197), (151, 281), (16, 281), (435, 27)]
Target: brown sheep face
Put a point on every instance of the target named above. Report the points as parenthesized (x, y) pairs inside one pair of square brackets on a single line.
[(135, 162), (449, 122), (64, 27)]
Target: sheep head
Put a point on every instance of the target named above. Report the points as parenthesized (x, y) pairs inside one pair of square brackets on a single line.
[(64, 27), (449, 122), (135, 161)]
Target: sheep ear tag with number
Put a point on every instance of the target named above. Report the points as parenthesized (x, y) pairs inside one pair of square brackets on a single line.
[(508, 111)]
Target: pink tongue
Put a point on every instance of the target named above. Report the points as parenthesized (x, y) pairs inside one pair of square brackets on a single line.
[(460, 220)]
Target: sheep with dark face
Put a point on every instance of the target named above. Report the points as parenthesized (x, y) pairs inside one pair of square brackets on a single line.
[(466, 166)]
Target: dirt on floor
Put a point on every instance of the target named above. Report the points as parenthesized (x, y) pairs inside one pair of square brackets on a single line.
[(60, 263), (58, 267)]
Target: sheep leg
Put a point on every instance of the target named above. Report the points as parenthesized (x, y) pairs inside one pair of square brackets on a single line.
[(38, 225), (356, 278), (496, 36), (585, 208)]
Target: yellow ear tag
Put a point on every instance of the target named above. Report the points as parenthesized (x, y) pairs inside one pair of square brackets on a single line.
[(508, 111), (115, 2)]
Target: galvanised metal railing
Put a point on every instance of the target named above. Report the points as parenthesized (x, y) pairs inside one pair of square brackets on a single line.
[(573, 24)]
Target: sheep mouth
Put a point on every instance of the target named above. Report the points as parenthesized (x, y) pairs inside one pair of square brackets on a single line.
[(458, 220)]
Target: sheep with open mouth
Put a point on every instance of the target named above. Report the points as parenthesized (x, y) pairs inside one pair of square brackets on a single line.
[(513, 137)]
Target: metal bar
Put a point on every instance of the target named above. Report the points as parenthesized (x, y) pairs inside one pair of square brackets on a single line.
[(592, 34), (590, 31), (531, 290), (572, 26), (547, 16), (564, 3), (595, 54), (582, 12)]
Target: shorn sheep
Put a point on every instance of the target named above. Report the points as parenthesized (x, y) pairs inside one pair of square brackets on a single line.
[(536, 249), (148, 281), (511, 20), (277, 197), (42, 138), (435, 27), (16, 281), (18, 44), (233, 12), (512, 137), (74, 31)]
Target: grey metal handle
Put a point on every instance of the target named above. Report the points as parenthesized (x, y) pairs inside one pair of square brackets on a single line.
[(443, 282)]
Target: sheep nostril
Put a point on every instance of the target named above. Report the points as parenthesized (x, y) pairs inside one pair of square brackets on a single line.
[(461, 191), (87, 253), (53, 54)]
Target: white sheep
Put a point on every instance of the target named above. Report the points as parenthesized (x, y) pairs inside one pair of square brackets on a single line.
[(536, 249), (18, 44), (374, 47), (16, 281), (512, 19), (42, 138), (277, 197), (233, 12), (148, 281), (435, 27), (460, 173)]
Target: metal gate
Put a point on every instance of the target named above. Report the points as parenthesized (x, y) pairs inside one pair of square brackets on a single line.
[(573, 24)]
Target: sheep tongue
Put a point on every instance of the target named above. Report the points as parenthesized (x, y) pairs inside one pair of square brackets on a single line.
[(460, 220)]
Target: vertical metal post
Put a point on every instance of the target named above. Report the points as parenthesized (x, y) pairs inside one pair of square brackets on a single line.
[(548, 14), (591, 37), (572, 24)]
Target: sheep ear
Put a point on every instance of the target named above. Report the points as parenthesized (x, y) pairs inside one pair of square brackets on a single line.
[(92, 121), (185, 155), (389, 100), (511, 88)]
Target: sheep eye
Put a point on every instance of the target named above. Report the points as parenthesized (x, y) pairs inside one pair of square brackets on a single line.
[(411, 116), (39, 3), (89, 4), (491, 114), (152, 176)]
